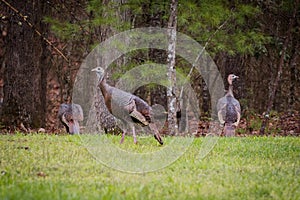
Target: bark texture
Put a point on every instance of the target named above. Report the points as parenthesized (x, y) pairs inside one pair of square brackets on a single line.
[(171, 91), (25, 70)]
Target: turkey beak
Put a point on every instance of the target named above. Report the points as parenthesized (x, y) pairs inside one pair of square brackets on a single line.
[(236, 77)]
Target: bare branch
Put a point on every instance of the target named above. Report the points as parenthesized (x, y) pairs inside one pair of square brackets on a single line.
[(35, 30)]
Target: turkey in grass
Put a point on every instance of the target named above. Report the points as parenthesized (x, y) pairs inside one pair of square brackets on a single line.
[(229, 109), (70, 115), (126, 107)]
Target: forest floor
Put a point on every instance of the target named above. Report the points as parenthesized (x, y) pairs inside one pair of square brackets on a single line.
[(44, 166), (280, 124)]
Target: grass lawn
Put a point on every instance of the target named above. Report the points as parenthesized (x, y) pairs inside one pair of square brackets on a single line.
[(41, 166)]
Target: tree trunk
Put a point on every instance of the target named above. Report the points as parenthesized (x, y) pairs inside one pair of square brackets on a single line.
[(171, 90), (25, 71), (293, 76), (280, 68), (99, 116)]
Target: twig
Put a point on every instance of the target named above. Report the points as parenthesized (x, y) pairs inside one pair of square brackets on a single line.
[(201, 52), (35, 30)]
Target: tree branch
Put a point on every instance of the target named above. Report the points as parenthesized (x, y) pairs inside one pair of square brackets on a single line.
[(202, 50), (35, 30)]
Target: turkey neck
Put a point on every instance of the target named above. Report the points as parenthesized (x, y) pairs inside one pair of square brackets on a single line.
[(106, 92), (230, 90), (103, 85)]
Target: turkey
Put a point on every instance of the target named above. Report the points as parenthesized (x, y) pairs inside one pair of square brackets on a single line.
[(229, 109), (70, 115), (126, 107)]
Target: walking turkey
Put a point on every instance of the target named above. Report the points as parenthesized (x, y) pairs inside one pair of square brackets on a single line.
[(126, 107), (229, 109), (70, 115)]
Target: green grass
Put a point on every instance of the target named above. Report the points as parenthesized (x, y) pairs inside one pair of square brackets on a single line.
[(60, 167)]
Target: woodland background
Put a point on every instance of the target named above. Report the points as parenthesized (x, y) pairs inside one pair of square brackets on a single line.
[(257, 40)]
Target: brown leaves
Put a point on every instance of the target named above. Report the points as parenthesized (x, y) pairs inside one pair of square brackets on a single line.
[(41, 174), (280, 124)]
